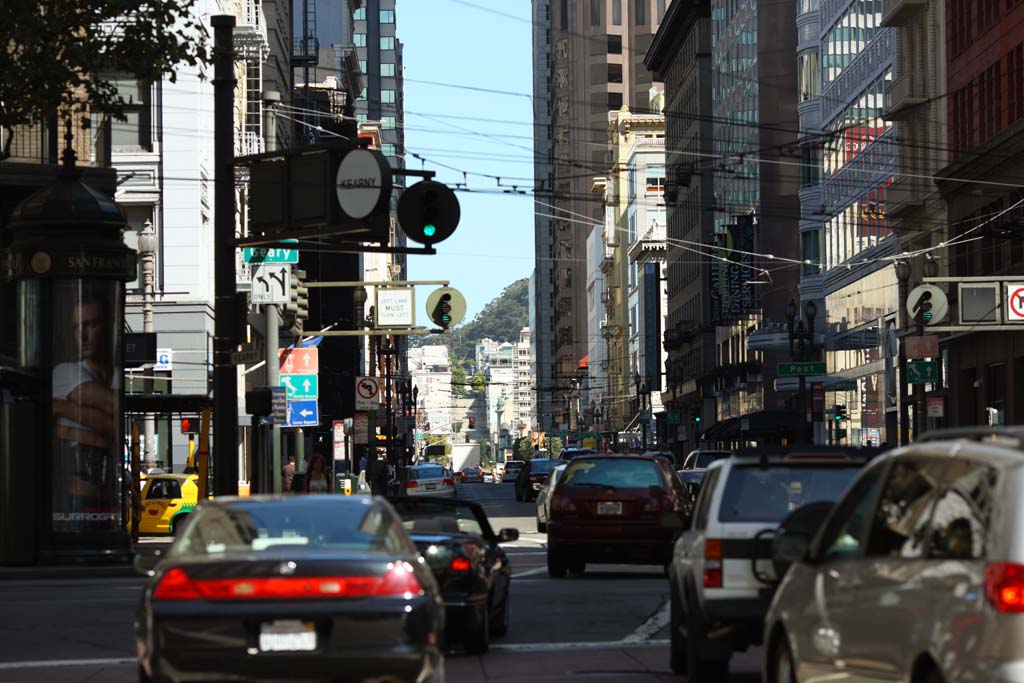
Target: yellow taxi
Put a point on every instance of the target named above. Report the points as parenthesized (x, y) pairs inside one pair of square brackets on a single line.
[(167, 499)]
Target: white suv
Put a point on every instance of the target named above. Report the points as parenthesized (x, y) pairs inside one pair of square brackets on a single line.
[(721, 576)]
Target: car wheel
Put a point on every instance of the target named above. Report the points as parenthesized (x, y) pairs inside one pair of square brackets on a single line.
[(782, 662), (556, 564), (499, 627), (542, 528), (699, 669), (677, 648), (578, 567), (478, 641)]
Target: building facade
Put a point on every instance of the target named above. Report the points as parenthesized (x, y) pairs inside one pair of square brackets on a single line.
[(432, 376)]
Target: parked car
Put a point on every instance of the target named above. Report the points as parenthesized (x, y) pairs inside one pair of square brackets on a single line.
[(488, 477), (613, 508), (721, 575), (531, 478), (284, 587), (457, 542), (916, 575), (167, 500), (701, 458), (544, 497), (511, 470), (472, 473), (568, 454), (429, 479)]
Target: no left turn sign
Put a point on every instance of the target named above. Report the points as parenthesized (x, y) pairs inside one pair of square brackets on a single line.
[(1015, 301), (367, 393)]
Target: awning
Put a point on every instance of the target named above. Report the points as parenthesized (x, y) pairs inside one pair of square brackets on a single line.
[(761, 424)]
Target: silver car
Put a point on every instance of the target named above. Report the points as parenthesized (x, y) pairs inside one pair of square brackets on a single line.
[(544, 498), (917, 574)]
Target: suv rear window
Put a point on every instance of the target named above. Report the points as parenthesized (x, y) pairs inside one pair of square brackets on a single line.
[(623, 474), (754, 494), (541, 466)]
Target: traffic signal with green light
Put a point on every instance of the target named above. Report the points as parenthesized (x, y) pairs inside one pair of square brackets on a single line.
[(442, 313), (695, 414), (428, 212), (841, 414)]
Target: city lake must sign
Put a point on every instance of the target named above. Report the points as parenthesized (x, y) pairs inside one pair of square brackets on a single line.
[(796, 369)]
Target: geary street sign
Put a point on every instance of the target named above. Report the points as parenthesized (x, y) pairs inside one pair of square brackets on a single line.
[(270, 255)]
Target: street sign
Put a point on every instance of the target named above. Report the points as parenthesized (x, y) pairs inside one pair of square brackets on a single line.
[(303, 414), (164, 360), (361, 429), (301, 387), (928, 304), (396, 307), (303, 361), (936, 406), (246, 356), (456, 301), (367, 393), (922, 372), (1015, 302), (270, 255), (270, 283), (338, 427), (795, 369), (362, 183), (279, 403), (922, 347)]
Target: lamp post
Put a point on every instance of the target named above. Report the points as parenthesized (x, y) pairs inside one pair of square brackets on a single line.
[(801, 348), (641, 391), (147, 250), (902, 268)]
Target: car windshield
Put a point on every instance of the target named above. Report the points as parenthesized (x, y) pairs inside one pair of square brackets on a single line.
[(705, 458), (755, 494), (542, 466), (426, 472), (435, 517), (299, 523), (513, 466), (627, 473)]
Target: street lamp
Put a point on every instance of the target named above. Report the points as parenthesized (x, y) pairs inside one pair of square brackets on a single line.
[(801, 347), (902, 267), (641, 391), (147, 250)]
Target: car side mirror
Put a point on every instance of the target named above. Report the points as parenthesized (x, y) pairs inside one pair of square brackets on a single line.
[(788, 548), (145, 563), (508, 535)]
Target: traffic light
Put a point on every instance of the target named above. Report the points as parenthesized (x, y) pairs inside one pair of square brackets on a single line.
[(190, 425), (472, 423), (296, 311), (841, 413), (695, 414), (442, 313), (428, 212), (923, 309)]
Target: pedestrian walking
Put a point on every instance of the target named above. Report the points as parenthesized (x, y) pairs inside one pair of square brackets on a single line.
[(288, 475), (317, 480)]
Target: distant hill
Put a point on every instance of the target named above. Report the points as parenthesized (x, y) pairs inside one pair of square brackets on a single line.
[(501, 320)]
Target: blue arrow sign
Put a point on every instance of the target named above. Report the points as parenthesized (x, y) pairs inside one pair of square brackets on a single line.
[(303, 414), (301, 387)]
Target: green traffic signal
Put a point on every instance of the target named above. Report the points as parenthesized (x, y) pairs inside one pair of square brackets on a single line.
[(697, 419), (429, 230)]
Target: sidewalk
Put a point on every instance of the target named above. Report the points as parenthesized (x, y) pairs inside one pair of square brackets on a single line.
[(146, 544)]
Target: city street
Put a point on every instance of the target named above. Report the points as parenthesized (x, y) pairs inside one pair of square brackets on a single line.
[(609, 624)]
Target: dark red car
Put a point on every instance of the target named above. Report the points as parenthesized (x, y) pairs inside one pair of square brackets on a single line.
[(472, 474), (617, 509)]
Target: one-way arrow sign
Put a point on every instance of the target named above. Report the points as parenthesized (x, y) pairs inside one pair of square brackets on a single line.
[(301, 387), (303, 414), (270, 283)]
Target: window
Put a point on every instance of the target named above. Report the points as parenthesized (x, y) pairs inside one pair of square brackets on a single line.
[(753, 494), (809, 77), (387, 96), (617, 12), (614, 101), (847, 527), (640, 12), (707, 491), (387, 69), (359, 40), (633, 474), (387, 149), (359, 14), (387, 16), (362, 66), (564, 18), (596, 12), (655, 179), (810, 250), (387, 122), (361, 118), (164, 489), (810, 167), (134, 133), (387, 42), (362, 93), (614, 73), (963, 511), (615, 45), (900, 525), (660, 7)]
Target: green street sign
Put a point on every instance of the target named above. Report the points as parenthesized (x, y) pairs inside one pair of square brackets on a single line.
[(796, 369), (922, 372), (301, 387), (270, 254)]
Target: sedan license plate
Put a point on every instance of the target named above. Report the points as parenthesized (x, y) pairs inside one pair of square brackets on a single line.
[(608, 508), (431, 487), (287, 636)]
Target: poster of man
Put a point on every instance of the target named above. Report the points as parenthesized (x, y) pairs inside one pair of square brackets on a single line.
[(86, 387)]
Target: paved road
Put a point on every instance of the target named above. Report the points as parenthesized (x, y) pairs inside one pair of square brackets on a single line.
[(609, 624)]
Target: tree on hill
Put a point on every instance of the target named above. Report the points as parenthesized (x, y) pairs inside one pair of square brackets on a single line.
[(479, 383), (458, 377)]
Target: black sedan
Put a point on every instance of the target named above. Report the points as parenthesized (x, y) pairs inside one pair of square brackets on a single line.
[(469, 564), (296, 588), (532, 477)]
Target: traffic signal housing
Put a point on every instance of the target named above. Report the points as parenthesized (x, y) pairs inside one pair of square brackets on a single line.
[(428, 212), (296, 311), (841, 414), (472, 423), (442, 313), (190, 425), (695, 415)]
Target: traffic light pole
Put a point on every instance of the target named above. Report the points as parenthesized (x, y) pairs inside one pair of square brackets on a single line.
[(273, 449)]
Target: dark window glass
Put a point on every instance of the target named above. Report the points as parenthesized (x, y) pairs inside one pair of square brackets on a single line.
[(614, 101), (630, 474), (564, 23), (844, 536), (900, 525), (617, 12), (542, 466), (615, 45), (963, 511), (596, 12), (640, 12), (707, 491), (753, 494)]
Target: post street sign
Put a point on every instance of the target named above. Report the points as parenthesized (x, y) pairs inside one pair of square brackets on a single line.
[(796, 369), (246, 356), (279, 404), (303, 414), (922, 372), (270, 255), (301, 387)]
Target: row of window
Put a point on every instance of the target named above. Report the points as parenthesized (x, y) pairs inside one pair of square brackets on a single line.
[(858, 227), (386, 96), (849, 36), (387, 16), (386, 42), (970, 18), (977, 109), (387, 69)]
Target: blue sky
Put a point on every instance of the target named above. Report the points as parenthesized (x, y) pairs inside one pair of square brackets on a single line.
[(452, 42)]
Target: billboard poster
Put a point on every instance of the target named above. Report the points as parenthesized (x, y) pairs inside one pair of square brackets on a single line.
[(86, 387), (731, 295)]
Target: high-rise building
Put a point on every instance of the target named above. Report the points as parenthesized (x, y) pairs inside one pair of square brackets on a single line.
[(588, 60)]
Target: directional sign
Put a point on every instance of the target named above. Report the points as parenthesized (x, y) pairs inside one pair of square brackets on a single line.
[(164, 360), (270, 283), (303, 414), (922, 347), (1015, 302), (922, 372), (795, 369), (301, 387), (270, 255), (927, 304), (303, 361), (361, 428), (367, 393), (279, 404)]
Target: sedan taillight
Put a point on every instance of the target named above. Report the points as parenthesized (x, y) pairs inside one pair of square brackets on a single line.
[(448, 482), (398, 580), (459, 564), (534, 480), (562, 503), (1004, 586), (411, 484)]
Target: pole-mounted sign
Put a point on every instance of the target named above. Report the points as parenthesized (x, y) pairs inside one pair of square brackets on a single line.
[(446, 307), (363, 183), (927, 305)]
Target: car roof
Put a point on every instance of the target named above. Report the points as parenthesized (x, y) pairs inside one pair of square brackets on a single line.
[(168, 475), (614, 456)]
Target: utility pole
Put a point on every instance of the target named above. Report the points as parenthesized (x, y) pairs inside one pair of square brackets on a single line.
[(225, 379), (273, 450)]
